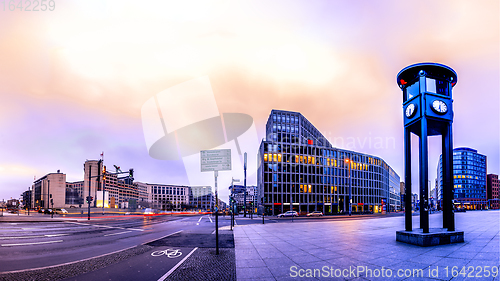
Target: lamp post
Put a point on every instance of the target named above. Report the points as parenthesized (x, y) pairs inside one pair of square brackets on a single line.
[(348, 161), (232, 203), (29, 204)]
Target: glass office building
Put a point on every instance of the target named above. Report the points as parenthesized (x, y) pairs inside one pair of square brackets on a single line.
[(299, 169), (469, 179)]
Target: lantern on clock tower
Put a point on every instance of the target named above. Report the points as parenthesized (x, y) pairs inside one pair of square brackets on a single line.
[(428, 111)]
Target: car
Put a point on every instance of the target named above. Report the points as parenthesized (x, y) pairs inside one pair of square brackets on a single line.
[(48, 211), (289, 214), (60, 211), (315, 213), (41, 210), (460, 210)]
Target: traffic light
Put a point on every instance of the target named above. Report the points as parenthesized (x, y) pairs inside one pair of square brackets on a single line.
[(90, 199), (131, 173), (104, 172)]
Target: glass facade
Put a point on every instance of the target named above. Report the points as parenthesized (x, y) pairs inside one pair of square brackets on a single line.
[(469, 178), (299, 169)]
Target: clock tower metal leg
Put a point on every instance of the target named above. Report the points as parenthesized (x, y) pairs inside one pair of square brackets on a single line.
[(447, 147), (424, 176), (407, 143)]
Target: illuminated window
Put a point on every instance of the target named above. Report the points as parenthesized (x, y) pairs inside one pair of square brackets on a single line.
[(309, 188), (301, 159), (313, 160), (328, 161), (275, 157), (308, 159), (296, 159), (279, 157), (332, 189), (335, 162), (265, 157)]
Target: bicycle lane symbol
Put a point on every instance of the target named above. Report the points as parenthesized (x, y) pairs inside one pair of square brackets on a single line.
[(170, 253)]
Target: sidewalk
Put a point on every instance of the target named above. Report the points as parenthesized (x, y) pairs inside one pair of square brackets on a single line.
[(359, 249)]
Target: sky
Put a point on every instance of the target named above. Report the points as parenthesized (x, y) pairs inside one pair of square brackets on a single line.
[(74, 81)]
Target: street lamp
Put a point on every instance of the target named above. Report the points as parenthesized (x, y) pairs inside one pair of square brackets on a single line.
[(347, 160), (232, 203)]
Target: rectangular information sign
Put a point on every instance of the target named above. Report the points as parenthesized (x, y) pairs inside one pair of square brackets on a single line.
[(215, 160)]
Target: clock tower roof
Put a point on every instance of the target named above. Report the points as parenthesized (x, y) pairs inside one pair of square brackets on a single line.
[(434, 70)]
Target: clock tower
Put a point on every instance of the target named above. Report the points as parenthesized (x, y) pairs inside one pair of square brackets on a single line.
[(428, 111)]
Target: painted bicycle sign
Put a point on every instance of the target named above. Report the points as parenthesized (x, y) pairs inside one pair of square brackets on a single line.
[(171, 253)]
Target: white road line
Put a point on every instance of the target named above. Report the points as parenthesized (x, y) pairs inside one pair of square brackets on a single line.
[(79, 223), (106, 226), (56, 235), (200, 218), (210, 219), (34, 243), (213, 232), (117, 233), (176, 266), (162, 237), (37, 236)]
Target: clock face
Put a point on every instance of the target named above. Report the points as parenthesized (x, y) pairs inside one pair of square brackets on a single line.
[(439, 106), (410, 110)]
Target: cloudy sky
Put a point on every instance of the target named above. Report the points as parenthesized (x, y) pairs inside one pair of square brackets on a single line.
[(73, 81)]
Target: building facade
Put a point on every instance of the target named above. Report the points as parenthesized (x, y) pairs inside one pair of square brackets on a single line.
[(168, 197), (469, 179), (299, 169), (49, 191), (202, 198), (252, 198), (492, 191)]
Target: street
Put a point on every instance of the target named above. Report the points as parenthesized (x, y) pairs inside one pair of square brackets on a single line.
[(37, 246)]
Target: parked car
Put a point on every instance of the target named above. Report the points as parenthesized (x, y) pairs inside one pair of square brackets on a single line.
[(315, 214), (60, 211), (289, 214), (41, 210), (48, 211)]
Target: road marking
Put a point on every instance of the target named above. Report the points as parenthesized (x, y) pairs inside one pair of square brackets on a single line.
[(176, 266), (106, 226), (162, 237), (117, 233), (56, 235), (210, 219), (34, 243), (200, 218), (37, 236), (134, 229), (170, 253)]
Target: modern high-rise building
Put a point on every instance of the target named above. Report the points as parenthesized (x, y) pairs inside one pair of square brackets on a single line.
[(492, 191), (469, 179), (299, 169)]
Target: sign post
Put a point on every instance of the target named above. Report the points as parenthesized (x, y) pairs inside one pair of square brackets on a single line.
[(216, 160)]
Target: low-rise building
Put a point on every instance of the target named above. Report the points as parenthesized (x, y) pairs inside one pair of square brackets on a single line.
[(493, 191)]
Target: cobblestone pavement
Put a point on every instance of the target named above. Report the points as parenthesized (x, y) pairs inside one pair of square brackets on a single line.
[(204, 265), (363, 249), (74, 269)]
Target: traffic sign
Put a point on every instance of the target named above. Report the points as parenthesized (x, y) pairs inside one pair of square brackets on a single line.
[(215, 160)]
